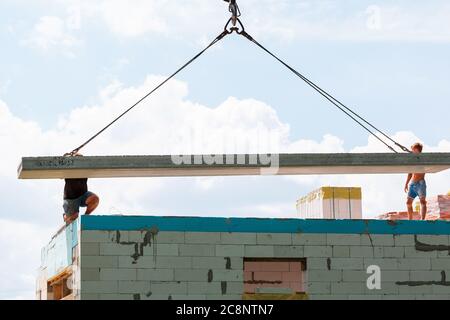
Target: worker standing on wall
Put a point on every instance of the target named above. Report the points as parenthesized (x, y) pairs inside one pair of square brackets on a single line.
[(76, 195), (416, 187)]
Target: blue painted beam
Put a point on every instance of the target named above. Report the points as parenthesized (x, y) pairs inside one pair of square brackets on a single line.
[(208, 224)]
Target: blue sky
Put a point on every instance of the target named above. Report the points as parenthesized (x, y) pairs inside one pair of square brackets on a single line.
[(69, 65)]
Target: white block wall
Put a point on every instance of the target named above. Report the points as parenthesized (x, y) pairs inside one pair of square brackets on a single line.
[(199, 265)]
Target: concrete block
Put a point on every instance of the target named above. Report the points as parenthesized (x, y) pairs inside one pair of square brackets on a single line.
[(173, 262), (189, 297), (259, 251), (312, 239), (142, 262), (348, 288), (118, 297), (209, 263), (224, 297), (399, 297), (324, 276), (99, 262), (237, 263), (116, 249), (319, 288), (414, 264), (90, 274), (170, 237), (440, 264), (289, 251), (191, 275), (341, 251), (433, 239), (354, 276), (394, 252), (274, 238), (230, 250), (386, 288), (317, 263), (202, 237), (207, 288), (378, 252), (343, 239), (318, 251), (118, 274), (162, 249), (404, 240), (237, 238), (97, 236), (136, 236), (90, 249), (365, 297), (444, 254), (361, 252), (235, 287), (169, 287), (444, 290), (377, 240), (383, 263), (425, 275), (394, 276), (415, 290), (134, 287), (411, 252), (228, 275), (328, 297), (347, 264), (156, 297), (155, 274), (90, 296), (440, 297), (197, 250), (99, 287)]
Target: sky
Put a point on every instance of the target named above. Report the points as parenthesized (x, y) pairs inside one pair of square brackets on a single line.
[(67, 67)]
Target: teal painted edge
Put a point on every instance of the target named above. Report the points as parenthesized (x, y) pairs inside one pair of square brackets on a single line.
[(209, 224)]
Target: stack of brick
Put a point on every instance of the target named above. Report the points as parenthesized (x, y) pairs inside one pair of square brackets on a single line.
[(439, 207), (331, 203), (400, 215), (274, 277)]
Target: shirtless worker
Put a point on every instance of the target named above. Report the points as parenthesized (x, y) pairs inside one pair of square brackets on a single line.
[(416, 187), (76, 195)]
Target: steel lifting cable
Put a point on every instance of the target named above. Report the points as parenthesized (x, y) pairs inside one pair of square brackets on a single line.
[(217, 39), (234, 20), (349, 112)]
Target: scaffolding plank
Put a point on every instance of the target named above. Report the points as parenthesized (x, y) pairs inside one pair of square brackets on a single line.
[(230, 165)]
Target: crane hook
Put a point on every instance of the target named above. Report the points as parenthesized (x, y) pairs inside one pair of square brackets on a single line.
[(234, 9)]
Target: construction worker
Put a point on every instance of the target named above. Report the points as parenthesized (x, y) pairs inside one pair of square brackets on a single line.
[(416, 187), (76, 195)]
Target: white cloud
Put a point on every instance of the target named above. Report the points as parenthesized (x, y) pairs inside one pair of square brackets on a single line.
[(20, 244), (164, 124), (282, 20), (53, 33)]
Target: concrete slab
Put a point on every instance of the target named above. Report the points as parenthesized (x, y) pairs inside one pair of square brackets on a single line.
[(230, 165)]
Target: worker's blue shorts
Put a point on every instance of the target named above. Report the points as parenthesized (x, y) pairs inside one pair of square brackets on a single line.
[(417, 189), (72, 206)]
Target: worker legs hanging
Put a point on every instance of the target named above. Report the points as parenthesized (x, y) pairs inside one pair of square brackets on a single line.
[(71, 207)]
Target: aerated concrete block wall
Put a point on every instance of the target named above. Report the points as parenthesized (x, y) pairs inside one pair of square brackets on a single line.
[(203, 258)]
